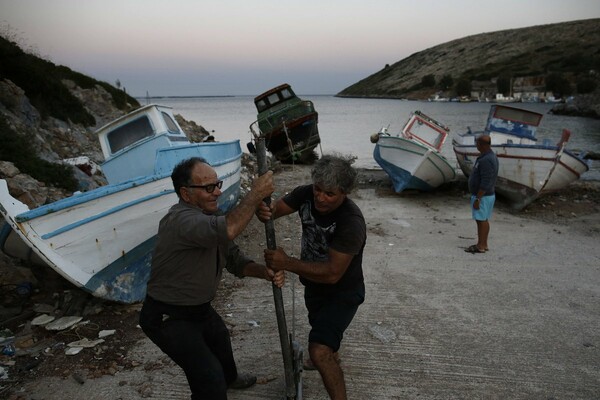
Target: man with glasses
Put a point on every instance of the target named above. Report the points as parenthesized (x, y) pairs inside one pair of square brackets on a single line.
[(482, 183), (192, 247)]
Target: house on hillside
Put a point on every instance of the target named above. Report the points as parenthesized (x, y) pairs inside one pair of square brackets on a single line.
[(525, 89)]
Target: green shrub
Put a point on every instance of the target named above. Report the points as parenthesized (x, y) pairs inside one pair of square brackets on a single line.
[(586, 85), (42, 82), (17, 149)]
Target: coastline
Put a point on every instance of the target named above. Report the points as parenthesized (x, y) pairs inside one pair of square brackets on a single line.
[(519, 322)]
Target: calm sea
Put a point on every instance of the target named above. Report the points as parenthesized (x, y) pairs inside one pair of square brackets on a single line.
[(345, 125)]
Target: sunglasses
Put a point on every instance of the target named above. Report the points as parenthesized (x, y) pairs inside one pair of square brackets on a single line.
[(209, 188)]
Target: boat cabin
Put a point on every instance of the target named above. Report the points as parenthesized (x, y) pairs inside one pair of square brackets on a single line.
[(130, 143), (274, 97), (513, 121)]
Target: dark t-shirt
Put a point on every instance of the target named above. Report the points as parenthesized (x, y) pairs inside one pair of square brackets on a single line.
[(344, 230)]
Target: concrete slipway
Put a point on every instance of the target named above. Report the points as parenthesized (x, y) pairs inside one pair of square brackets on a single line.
[(521, 321)]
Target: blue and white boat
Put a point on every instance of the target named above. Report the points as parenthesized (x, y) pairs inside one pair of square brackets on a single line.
[(527, 169), (102, 240), (413, 158)]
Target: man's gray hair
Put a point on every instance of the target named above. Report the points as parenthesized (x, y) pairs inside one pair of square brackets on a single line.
[(335, 171)]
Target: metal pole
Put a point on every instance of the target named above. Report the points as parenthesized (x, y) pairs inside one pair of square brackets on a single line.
[(261, 155)]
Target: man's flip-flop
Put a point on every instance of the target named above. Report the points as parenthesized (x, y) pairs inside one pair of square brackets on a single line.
[(474, 249)]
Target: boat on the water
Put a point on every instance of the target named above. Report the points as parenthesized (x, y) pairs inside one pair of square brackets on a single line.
[(412, 158), (102, 240), (288, 124), (527, 169)]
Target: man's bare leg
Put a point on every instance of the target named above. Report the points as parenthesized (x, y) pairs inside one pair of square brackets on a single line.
[(483, 231), (326, 363)]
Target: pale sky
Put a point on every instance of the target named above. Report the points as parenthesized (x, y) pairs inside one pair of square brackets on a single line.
[(244, 47)]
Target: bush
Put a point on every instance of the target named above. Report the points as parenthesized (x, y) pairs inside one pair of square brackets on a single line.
[(446, 82), (463, 87), (42, 82), (428, 81), (586, 85), (17, 149)]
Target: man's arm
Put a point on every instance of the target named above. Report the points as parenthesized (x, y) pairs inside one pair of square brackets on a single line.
[(329, 271), (240, 216)]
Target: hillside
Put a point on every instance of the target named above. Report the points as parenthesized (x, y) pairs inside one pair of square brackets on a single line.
[(567, 51), (49, 113)]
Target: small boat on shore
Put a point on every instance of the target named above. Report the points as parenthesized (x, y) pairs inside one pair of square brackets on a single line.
[(527, 169), (102, 240), (413, 158), (288, 124)]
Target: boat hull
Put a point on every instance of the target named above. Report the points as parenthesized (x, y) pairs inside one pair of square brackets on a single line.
[(303, 133), (102, 240), (288, 124), (411, 165), (526, 172)]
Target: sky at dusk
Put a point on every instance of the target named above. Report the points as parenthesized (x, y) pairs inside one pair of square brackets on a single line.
[(242, 47)]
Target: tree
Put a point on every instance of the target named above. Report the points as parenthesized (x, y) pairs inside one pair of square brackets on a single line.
[(446, 82), (504, 84), (428, 81), (586, 85), (558, 84), (463, 87)]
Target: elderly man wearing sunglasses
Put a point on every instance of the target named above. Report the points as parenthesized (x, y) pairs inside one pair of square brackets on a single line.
[(192, 247)]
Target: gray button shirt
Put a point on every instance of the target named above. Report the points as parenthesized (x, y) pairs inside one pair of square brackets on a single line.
[(191, 250)]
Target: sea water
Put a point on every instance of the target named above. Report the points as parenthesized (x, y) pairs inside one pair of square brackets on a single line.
[(345, 125)]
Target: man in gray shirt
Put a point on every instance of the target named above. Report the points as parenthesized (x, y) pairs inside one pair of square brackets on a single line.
[(192, 247)]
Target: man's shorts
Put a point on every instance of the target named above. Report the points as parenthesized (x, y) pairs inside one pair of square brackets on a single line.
[(330, 313), (486, 205)]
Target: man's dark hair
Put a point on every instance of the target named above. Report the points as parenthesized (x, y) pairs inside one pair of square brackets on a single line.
[(334, 171), (182, 173)]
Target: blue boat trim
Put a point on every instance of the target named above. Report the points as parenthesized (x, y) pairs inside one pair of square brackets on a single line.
[(116, 209), (103, 214), (85, 197), (4, 232)]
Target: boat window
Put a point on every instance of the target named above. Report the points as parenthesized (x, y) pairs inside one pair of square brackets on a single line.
[(286, 93), (171, 125), (516, 115), (274, 98), (129, 133), (261, 105)]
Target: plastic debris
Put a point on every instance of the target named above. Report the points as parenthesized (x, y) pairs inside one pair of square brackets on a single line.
[(385, 334), (71, 351), (105, 333), (63, 323), (253, 324), (42, 320), (85, 343)]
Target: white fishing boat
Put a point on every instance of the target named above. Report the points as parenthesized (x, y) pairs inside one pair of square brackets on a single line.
[(413, 158), (102, 240), (527, 169)]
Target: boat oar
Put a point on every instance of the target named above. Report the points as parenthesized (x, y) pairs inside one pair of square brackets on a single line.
[(286, 349)]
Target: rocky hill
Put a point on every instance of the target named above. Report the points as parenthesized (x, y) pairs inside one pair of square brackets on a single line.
[(49, 113), (569, 51)]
